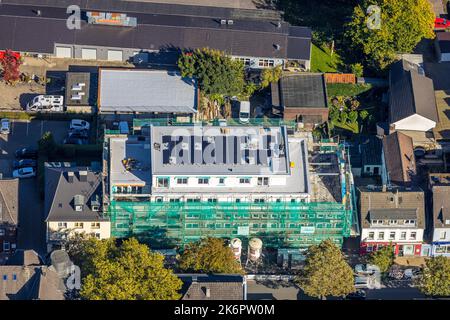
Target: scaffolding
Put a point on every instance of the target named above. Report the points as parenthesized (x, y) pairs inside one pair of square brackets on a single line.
[(278, 224)]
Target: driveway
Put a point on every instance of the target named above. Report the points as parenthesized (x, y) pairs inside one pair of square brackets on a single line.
[(31, 214)]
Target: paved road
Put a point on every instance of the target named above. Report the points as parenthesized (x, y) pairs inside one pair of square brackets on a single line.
[(31, 214)]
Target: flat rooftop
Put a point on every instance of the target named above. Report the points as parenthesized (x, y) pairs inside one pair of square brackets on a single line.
[(206, 151), (130, 90), (219, 150)]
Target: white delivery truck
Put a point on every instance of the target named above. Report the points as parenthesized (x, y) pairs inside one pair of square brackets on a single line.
[(45, 103), (244, 111)]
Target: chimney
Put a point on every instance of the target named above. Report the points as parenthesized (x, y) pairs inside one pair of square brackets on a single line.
[(83, 176), (279, 24), (384, 187), (277, 46), (70, 176), (207, 292)]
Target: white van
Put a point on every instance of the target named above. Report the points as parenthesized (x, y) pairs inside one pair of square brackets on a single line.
[(244, 111), (44, 103)]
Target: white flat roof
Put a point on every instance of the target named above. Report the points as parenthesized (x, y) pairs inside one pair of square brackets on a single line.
[(130, 90)]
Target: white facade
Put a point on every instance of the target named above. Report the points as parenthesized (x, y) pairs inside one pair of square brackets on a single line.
[(57, 231), (396, 235), (414, 122), (441, 241)]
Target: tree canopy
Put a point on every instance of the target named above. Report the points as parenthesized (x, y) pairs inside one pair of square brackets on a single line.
[(209, 255), (216, 72), (326, 273), (10, 65), (126, 272), (383, 258), (435, 279), (404, 23)]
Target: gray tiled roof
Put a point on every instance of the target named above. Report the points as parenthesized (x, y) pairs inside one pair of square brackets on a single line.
[(22, 30), (399, 157), (302, 90), (395, 202), (60, 193), (9, 201), (441, 206), (212, 287), (410, 93)]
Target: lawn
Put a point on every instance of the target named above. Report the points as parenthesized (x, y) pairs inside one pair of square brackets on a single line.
[(323, 61), (347, 89)]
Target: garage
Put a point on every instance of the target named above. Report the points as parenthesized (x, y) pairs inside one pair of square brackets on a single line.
[(89, 54), (115, 55), (63, 52)]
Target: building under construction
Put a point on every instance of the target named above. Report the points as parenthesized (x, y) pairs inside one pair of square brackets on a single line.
[(171, 185)]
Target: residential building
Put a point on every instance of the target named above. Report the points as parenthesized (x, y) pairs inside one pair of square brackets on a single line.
[(9, 215), (365, 156), (78, 92), (398, 160), (181, 183), (412, 103), (213, 287), (156, 93), (442, 46), (26, 278), (392, 216), (301, 97), (73, 205), (440, 187), (153, 33)]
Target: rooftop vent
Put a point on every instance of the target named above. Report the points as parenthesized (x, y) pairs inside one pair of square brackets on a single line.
[(207, 292), (230, 22), (83, 176), (78, 202), (95, 203), (223, 21), (277, 46), (70, 176)]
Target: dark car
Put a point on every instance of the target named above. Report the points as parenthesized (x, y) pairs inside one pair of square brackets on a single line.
[(26, 153), (71, 140), (357, 295), (24, 163)]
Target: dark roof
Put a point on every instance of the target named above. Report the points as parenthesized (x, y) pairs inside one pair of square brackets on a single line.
[(212, 287), (374, 202), (9, 201), (411, 92), (441, 206), (399, 157), (30, 280), (393, 213), (371, 151), (301, 90), (443, 39), (24, 258), (22, 30), (60, 194), (73, 79)]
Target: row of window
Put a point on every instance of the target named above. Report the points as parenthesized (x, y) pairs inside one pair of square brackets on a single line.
[(164, 182), (79, 225), (5, 277), (442, 249), (394, 222), (392, 235), (8, 246), (261, 62), (214, 200)]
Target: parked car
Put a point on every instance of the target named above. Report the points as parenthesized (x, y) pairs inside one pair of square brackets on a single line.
[(82, 134), (364, 269), (71, 140), (244, 111), (357, 295), (27, 172), (441, 23), (17, 164), (26, 153), (361, 282), (5, 128), (77, 124)]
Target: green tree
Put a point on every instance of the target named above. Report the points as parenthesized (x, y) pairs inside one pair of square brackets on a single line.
[(344, 116), (209, 255), (47, 143), (126, 272), (270, 75), (353, 116), (363, 114), (215, 72), (326, 273), (435, 279), (404, 23), (357, 69), (383, 258)]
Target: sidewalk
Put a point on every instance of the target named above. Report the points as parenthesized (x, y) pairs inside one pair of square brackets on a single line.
[(410, 261)]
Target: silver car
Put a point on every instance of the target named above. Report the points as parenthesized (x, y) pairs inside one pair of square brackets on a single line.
[(5, 126)]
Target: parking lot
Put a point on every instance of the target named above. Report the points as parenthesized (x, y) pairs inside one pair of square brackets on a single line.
[(31, 212)]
